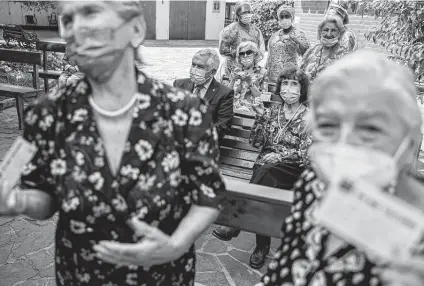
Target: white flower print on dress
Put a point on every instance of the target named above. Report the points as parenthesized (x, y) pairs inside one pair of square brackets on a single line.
[(176, 96), (146, 182), (207, 191), (144, 149), (143, 101), (101, 209), (180, 118), (131, 279), (174, 178), (77, 227), (79, 158), (28, 169), (46, 122), (31, 118), (70, 205), (171, 161), (130, 171), (58, 167), (203, 148), (119, 203), (195, 118), (80, 115), (97, 179)]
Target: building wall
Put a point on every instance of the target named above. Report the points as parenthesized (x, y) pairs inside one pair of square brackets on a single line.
[(214, 21), (14, 13), (162, 19)]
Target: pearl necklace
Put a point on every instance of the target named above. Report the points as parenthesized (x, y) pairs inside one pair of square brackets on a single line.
[(115, 113)]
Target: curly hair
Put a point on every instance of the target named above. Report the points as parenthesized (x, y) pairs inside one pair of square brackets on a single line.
[(331, 19), (294, 73)]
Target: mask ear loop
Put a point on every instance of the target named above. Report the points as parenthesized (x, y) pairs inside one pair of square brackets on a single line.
[(401, 149)]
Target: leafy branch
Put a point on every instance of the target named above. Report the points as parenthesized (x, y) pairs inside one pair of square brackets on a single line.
[(38, 5)]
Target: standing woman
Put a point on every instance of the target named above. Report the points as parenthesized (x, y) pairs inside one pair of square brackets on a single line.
[(282, 133), (129, 163), (231, 36), (286, 45), (328, 50)]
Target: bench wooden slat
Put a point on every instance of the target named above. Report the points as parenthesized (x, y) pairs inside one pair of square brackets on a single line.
[(255, 208), (51, 46), (245, 114), (11, 28), (236, 175), (9, 90), (33, 58), (243, 122), (231, 143), (237, 162), (234, 153), (236, 132), (50, 74)]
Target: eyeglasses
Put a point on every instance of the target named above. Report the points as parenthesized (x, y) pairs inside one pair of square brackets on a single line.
[(246, 53)]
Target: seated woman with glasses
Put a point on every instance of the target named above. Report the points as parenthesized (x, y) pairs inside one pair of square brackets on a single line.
[(248, 79), (282, 133)]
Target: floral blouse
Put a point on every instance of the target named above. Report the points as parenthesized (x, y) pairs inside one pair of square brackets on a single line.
[(241, 84), (300, 259), (317, 58), (285, 51), (231, 37), (170, 162), (276, 134), (348, 41)]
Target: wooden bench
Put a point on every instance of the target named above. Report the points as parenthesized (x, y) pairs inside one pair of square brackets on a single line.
[(19, 93), (48, 46), (237, 155), (16, 33)]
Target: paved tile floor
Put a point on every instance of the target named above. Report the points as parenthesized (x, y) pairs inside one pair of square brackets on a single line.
[(27, 246)]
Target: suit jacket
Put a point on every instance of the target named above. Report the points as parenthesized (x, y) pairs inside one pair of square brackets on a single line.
[(220, 99)]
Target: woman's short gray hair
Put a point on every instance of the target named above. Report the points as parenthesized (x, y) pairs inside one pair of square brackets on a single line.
[(249, 45), (371, 74), (213, 58), (331, 19)]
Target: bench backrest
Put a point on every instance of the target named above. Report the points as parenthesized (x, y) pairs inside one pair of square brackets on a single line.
[(50, 46), (13, 31), (32, 58)]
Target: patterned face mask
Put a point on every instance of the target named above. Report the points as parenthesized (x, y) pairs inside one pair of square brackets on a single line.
[(285, 23), (246, 19), (247, 61)]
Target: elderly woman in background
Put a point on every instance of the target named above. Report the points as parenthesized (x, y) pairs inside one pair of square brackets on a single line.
[(130, 163), (232, 35), (363, 107), (348, 38), (248, 78), (285, 46), (283, 136), (328, 50)]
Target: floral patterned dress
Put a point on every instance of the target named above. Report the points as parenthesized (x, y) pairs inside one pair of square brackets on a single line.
[(283, 52), (229, 39), (300, 259), (317, 58), (169, 164), (276, 134)]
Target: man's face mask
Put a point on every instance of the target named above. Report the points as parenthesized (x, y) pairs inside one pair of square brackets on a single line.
[(333, 162), (97, 52), (199, 76)]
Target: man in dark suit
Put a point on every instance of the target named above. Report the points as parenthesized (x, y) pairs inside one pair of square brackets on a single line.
[(202, 83)]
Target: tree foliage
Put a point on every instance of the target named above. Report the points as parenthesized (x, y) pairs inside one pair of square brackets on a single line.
[(38, 5), (265, 15), (401, 31)]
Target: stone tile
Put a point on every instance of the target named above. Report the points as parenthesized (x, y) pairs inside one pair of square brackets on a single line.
[(5, 220), (21, 270), (240, 274), (39, 282), (6, 235), (215, 246), (244, 257), (5, 252), (33, 242), (49, 271), (206, 262), (212, 279), (40, 259), (245, 241)]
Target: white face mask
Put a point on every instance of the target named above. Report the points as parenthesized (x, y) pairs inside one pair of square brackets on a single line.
[(285, 23), (333, 162), (247, 61), (329, 42), (290, 94), (199, 76), (246, 19)]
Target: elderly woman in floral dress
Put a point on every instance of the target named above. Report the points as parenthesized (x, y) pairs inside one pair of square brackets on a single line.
[(231, 36), (285, 46), (364, 113), (328, 50), (129, 163)]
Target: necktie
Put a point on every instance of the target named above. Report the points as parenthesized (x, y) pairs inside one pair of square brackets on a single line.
[(197, 90)]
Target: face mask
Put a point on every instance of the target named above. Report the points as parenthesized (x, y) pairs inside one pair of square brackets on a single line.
[(285, 23), (246, 19), (290, 94), (333, 162), (329, 42), (247, 61), (199, 76), (96, 52)]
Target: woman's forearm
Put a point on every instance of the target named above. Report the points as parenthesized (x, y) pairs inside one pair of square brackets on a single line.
[(38, 204), (193, 225)]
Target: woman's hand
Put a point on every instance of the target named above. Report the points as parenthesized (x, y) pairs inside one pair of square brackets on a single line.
[(258, 106), (272, 158), (12, 200), (154, 248), (410, 273)]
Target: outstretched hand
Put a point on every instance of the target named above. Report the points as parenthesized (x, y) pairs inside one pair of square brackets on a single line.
[(156, 247)]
